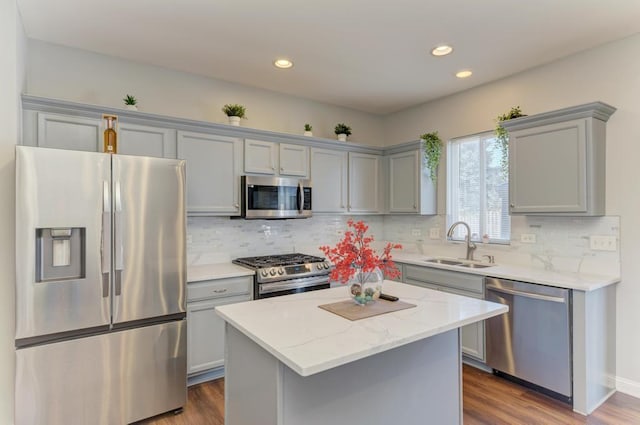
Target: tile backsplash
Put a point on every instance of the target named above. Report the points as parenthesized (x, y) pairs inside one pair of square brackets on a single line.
[(561, 243)]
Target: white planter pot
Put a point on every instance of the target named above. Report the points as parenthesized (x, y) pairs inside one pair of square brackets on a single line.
[(308, 133), (234, 121), (342, 137), (131, 107)]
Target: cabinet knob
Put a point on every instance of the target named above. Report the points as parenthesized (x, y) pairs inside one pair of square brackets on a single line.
[(236, 206), (273, 168), (512, 205), (281, 168), (342, 206), (414, 206), (220, 291)]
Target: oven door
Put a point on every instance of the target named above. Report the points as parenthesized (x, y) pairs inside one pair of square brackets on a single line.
[(291, 286), (275, 197)]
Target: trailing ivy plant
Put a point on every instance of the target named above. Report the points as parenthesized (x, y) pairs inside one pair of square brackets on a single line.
[(432, 152), (503, 136)]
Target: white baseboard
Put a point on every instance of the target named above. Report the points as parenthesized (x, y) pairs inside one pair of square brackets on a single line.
[(628, 387)]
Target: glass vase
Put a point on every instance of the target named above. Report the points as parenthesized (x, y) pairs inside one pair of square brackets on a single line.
[(365, 287)]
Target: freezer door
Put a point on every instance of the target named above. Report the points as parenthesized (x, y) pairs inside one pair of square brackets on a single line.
[(149, 238), (113, 378), (62, 242)]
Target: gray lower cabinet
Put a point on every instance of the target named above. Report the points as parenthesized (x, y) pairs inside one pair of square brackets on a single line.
[(205, 329), (465, 284), (214, 165), (557, 161)]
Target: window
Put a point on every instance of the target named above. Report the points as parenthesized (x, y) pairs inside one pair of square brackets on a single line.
[(478, 189)]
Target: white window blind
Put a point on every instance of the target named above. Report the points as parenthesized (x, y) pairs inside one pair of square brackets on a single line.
[(477, 189)]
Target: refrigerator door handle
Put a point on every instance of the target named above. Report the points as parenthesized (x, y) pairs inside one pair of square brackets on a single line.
[(105, 250), (119, 246)]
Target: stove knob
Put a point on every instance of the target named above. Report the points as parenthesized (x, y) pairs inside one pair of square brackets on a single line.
[(280, 271), (264, 273), (319, 266), (272, 272), (326, 266)]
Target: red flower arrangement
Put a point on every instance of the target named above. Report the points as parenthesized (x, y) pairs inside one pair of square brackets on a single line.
[(354, 252)]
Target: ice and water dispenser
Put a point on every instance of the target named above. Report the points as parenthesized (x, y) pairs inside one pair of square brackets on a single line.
[(60, 254)]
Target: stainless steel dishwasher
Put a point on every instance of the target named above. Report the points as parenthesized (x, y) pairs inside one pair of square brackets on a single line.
[(532, 342)]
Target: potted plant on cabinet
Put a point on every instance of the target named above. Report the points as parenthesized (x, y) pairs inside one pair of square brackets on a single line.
[(432, 152), (342, 131), (503, 136), (235, 112), (307, 130), (130, 102)]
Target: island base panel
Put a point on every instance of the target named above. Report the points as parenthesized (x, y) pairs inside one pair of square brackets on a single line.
[(416, 383)]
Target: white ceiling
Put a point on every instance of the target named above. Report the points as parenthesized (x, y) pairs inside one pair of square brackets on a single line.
[(369, 55)]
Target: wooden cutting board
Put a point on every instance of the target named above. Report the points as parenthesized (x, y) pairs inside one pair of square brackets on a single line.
[(352, 311)]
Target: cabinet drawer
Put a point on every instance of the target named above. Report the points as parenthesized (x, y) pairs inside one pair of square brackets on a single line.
[(455, 280), (219, 288)]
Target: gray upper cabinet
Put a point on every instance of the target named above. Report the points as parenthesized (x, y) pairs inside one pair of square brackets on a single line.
[(410, 187), (214, 164), (557, 161), (365, 190), (68, 132), (262, 157), (135, 139), (329, 179)]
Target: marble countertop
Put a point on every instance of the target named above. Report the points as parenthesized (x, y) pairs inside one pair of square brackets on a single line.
[(310, 340), (216, 271), (578, 281)]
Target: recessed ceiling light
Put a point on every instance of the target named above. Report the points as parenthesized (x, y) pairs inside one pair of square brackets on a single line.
[(441, 50), (283, 63), (464, 74)]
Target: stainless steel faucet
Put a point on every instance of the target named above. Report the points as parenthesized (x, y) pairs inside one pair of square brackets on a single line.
[(470, 245)]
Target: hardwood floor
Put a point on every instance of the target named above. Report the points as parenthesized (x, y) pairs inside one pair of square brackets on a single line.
[(488, 400)]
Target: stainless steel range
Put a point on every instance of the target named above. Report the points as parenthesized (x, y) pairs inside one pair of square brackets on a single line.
[(287, 274)]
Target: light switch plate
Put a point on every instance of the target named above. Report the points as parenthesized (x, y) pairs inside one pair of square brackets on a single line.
[(434, 233), (603, 243), (416, 232)]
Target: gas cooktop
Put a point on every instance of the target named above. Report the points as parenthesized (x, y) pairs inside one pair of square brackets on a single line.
[(278, 260)]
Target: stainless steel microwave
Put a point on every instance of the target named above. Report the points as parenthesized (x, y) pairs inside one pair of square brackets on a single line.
[(275, 197)]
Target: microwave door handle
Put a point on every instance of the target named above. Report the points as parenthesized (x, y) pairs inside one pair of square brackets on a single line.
[(105, 249), (300, 197)]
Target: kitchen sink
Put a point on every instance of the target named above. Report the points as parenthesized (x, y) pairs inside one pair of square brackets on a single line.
[(475, 265), (444, 261)]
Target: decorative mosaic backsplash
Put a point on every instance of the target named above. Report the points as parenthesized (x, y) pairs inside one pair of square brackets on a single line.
[(562, 243)]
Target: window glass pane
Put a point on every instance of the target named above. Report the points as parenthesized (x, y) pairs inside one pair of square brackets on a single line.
[(478, 191)]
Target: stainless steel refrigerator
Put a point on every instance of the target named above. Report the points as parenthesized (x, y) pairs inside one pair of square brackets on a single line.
[(100, 287)]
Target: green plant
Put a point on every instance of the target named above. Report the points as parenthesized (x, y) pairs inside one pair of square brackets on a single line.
[(130, 100), (234, 110), (503, 136), (432, 152), (343, 129), (308, 127)]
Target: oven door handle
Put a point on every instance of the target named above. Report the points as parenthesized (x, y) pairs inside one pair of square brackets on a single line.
[(266, 288), (300, 197)]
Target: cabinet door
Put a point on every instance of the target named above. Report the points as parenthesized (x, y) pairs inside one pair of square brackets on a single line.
[(213, 170), (329, 180), (260, 157), (205, 334), (547, 168), (294, 160), (364, 183), (67, 132), (404, 174), (144, 140)]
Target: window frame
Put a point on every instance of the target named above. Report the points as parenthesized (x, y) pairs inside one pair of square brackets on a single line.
[(453, 179)]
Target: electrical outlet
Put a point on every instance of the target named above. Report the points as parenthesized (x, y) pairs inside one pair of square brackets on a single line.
[(528, 238), (434, 233), (603, 243), (416, 233)]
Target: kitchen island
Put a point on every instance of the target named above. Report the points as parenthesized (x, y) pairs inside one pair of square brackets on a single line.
[(288, 362)]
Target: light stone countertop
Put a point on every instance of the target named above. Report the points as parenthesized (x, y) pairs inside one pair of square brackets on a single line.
[(216, 271), (578, 281), (310, 340)]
